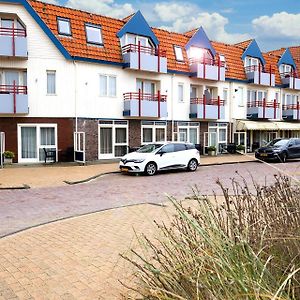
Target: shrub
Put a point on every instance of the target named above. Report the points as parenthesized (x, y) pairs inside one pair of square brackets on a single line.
[(246, 247), (240, 147), (8, 154), (211, 148)]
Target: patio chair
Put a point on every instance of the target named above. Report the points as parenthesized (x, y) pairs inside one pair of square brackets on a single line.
[(50, 154)]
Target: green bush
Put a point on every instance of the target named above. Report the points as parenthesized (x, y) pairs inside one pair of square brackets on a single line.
[(246, 247), (211, 148), (8, 154), (240, 147)]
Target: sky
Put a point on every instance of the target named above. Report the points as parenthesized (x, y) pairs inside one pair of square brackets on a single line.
[(273, 23)]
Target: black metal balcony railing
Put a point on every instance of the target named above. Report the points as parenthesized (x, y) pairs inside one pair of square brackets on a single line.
[(218, 102)]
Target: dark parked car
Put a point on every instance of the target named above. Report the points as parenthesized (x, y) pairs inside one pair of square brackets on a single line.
[(279, 149)]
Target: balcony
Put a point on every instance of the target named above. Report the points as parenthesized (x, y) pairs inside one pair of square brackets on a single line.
[(291, 112), (212, 109), (143, 58), (13, 99), (13, 42), (262, 109), (290, 80), (207, 69), (140, 104), (259, 75)]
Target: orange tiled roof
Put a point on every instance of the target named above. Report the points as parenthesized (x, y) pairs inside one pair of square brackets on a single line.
[(77, 46)]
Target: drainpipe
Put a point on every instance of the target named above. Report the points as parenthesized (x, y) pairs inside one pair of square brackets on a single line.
[(172, 106), (230, 103), (75, 95)]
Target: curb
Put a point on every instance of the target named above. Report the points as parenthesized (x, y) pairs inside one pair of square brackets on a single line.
[(24, 187), (118, 172)]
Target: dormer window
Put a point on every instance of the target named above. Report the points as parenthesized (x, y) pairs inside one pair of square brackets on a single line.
[(285, 70), (251, 61), (131, 39), (64, 26), (200, 54), (178, 53), (93, 34)]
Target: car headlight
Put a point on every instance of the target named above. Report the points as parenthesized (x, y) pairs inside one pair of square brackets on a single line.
[(138, 161)]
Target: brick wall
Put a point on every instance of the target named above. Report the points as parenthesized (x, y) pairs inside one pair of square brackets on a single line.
[(134, 127), (90, 127), (64, 132)]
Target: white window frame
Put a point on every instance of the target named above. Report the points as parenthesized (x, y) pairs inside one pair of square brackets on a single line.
[(251, 61), (136, 39), (240, 101), (113, 124), (108, 78), (180, 84), (65, 20), (153, 126), (38, 141), (285, 69), (178, 53), (187, 128), (94, 26), (48, 72)]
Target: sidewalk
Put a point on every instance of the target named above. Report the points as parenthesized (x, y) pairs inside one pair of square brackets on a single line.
[(51, 175)]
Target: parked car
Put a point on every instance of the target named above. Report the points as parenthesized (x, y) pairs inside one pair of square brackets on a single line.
[(279, 149), (155, 157)]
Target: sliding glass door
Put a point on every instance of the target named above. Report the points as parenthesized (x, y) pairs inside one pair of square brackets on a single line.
[(33, 138)]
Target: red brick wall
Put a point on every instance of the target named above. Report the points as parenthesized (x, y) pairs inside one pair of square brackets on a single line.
[(134, 128), (64, 134)]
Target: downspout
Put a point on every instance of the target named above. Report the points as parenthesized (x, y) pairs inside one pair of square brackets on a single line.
[(230, 103), (75, 95), (172, 107)]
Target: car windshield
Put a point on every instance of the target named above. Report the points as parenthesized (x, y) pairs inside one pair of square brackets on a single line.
[(149, 148), (277, 143)]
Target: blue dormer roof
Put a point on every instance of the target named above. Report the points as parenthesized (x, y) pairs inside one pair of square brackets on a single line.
[(287, 59), (139, 26), (254, 51), (200, 39)]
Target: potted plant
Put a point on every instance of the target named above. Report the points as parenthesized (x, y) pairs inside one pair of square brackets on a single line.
[(240, 148), (212, 150), (8, 157)]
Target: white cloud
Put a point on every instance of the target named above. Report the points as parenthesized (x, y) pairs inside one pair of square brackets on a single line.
[(280, 25), (103, 7), (213, 23)]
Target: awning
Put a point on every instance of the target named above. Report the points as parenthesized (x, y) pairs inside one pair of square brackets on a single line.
[(268, 126)]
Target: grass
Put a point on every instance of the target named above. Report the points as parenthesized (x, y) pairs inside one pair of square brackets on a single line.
[(246, 247)]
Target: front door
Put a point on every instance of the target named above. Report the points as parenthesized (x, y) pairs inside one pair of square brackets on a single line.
[(106, 142)]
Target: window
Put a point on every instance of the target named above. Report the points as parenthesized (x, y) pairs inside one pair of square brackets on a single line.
[(285, 70), (193, 92), (225, 95), (179, 147), (180, 92), (168, 148), (240, 96), (64, 26), (178, 53), (108, 86), (251, 61), (153, 132), (51, 82), (93, 34)]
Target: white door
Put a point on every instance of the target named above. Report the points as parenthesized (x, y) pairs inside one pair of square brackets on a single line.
[(29, 151)]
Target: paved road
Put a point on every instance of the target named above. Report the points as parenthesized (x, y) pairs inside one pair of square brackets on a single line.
[(22, 209)]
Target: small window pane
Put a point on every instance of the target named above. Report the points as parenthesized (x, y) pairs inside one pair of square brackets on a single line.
[(103, 85), (168, 148), (179, 147), (180, 92), (47, 136), (51, 84), (64, 26), (147, 135), (121, 137), (93, 34), (178, 53), (112, 86), (160, 135)]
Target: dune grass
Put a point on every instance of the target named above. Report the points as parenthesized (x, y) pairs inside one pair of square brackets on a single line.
[(246, 247)]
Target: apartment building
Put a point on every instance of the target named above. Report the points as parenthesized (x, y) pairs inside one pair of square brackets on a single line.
[(72, 80)]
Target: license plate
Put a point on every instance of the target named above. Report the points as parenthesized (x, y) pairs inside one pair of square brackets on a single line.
[(264, 154), (124, 170)]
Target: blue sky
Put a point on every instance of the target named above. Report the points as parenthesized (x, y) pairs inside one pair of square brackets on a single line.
[(273, 23)]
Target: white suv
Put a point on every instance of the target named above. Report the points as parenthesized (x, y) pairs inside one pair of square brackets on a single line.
[(161, 156)]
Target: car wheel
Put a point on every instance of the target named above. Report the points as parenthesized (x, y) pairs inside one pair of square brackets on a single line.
[(192, 165), (150, 169), (283, 157)]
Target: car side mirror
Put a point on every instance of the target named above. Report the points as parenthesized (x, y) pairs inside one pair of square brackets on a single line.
[(161, 153)]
